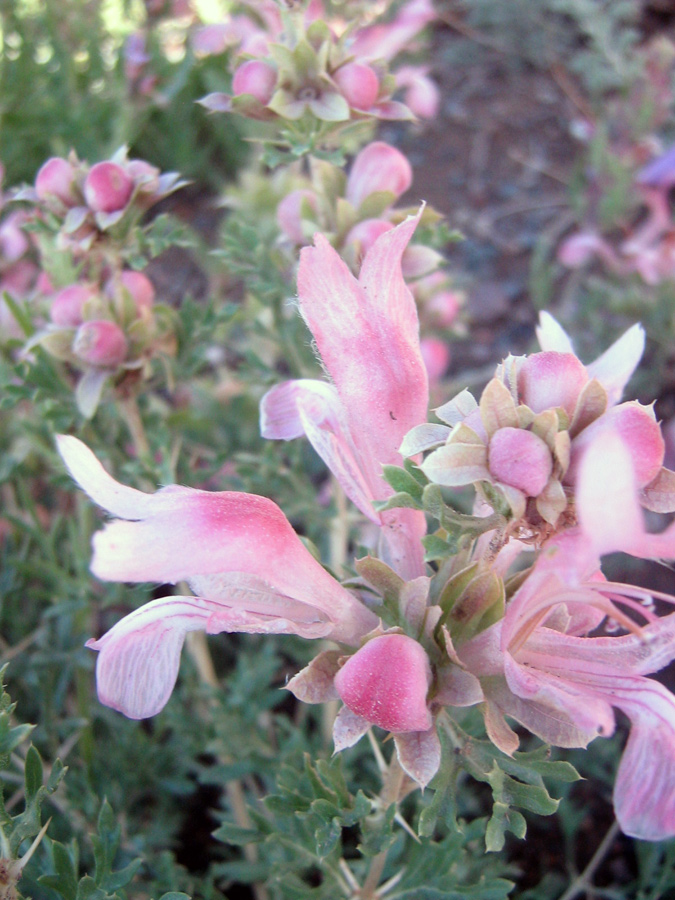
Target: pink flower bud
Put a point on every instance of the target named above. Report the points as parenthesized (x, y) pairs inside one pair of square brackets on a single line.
[(378, 167), (444, 307), (140, 288), (256, 78), (107, 187), (421, 94), (578, 249), (364, 235), (289, 214), (56, 178), (436, 357), (67, 305), (520, 459), (386, 682), (423, 98), (13, 240), (550, 379), (100, 343), (358, 84)]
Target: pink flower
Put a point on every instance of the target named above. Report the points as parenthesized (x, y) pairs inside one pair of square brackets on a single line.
[(384, 41), (367, 334), (436, 356), (248, 570), (291, 214), (421, 94), (544, 670), (535, 420), (140, 289)]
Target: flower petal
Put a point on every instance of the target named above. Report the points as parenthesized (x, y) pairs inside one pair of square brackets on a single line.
[(187, 534), (551, 335), (644, 790), (616, 365), (348, 728), (367, 333), (118, 499), (139, 657), (313, 408)]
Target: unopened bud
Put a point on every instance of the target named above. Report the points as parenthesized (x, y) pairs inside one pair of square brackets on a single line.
[(107, 187), (436, 357), (520, 459), (56, 178), (386, 682), (100, 343), (67, 305), (358, 84), (140, 288), (550, 379), (256, 78), (364, 235), (289, 214), (378, 167)]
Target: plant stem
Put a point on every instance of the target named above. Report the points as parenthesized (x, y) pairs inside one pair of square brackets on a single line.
[(199, 651), (132, 416), (583, 881), (392, 782)]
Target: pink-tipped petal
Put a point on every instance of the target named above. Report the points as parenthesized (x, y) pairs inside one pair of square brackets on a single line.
[(367, 333), (386, 682), (182, 533), (606, 496), (637, 427)]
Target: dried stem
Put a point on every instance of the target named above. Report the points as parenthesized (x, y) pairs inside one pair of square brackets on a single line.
[(132, 416), (583, 881)]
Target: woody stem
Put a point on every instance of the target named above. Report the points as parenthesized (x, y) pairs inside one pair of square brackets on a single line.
[(392, 782)]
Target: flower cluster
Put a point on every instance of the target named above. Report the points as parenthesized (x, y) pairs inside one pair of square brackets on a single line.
[(18, 269), (96, 205), (508, 623), (533, 425), (300, 69), (101, 313)]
